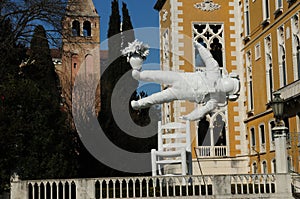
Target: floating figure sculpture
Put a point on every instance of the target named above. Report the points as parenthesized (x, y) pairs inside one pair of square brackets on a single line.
[(209, 87)]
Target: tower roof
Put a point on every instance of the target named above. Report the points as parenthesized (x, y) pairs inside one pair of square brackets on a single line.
[(81, 8)]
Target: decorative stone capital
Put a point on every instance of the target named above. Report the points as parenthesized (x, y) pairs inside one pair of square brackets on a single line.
[(207, 5)]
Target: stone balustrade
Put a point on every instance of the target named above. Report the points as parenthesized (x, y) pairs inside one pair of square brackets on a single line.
[(207, 186), (211, 151)]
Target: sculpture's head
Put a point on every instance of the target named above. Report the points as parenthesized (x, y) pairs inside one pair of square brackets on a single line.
[(231, 86)]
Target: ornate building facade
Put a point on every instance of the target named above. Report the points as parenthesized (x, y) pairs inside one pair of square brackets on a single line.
[(259, 41), (272, 64), (219, 139)]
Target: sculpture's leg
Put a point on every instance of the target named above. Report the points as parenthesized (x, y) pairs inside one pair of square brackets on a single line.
[(210, 63), (212, 66), (161, 77), (164, 96)]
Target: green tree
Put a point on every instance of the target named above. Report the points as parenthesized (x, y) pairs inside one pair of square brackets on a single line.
[(114, 30), (112, 74), (35, 141), (127, 28), (41, 68)]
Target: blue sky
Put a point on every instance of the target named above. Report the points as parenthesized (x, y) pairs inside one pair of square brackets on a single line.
[(145, 21), (141, 12)]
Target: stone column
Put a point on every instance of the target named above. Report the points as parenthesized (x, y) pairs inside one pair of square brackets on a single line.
[(280, 149)]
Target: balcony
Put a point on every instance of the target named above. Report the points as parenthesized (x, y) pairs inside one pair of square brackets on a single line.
[(211, 151)]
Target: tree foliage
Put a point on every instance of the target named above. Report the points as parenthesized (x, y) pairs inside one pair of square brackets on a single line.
[(127, 28), (34, 138)]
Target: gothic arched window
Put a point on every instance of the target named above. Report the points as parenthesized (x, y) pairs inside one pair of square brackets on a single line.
[(87, 29), (75, 28), (209, 35)]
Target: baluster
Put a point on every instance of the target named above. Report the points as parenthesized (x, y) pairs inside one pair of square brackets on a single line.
[(167, 186), (133, 184), (193, 186), (187, 185), (63, 190), (39, 191), (235, 185), (45, 190), (100, 184), (107, 189), (160, 187), (242, 183), (57, 190), (33, 191), (70, 190), (253, 183), (265, 184), (180, 188), (270, 184), (141, 188), (114, 188), (206, 188), (147, 187), (127, 189), (51, 190), (120, 188), (247, 185), (174, 186), (259, 183)]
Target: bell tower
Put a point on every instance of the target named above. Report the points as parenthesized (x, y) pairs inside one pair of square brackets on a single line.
[(81, 46)]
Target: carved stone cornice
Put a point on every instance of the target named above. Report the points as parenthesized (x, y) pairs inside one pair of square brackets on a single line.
[(207, 5)]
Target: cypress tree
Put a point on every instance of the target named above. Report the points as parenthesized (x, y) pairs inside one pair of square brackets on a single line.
[(114, 30), (111, 76), (127, 28), (41, 70)]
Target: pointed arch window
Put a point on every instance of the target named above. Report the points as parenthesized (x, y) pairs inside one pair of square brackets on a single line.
[(247, 18), (212, 138), (252, 138), (273, 166), (271, 135), (282, 56), (75, 28), (296, 46), (87, 31), (269, 67), (262, 136), (264, 167), (211, 36), (266, 12), (254, 167), (249, 81)]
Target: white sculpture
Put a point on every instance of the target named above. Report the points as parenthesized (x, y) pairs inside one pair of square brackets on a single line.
[(208, 87)]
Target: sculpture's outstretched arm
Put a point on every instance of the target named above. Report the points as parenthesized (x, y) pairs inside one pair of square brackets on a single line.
[(210, 63), (161, 77), (199, 113)]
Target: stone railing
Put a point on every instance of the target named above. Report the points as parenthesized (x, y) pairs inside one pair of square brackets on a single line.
[(212, 186), (290, 90), (211, 151)]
